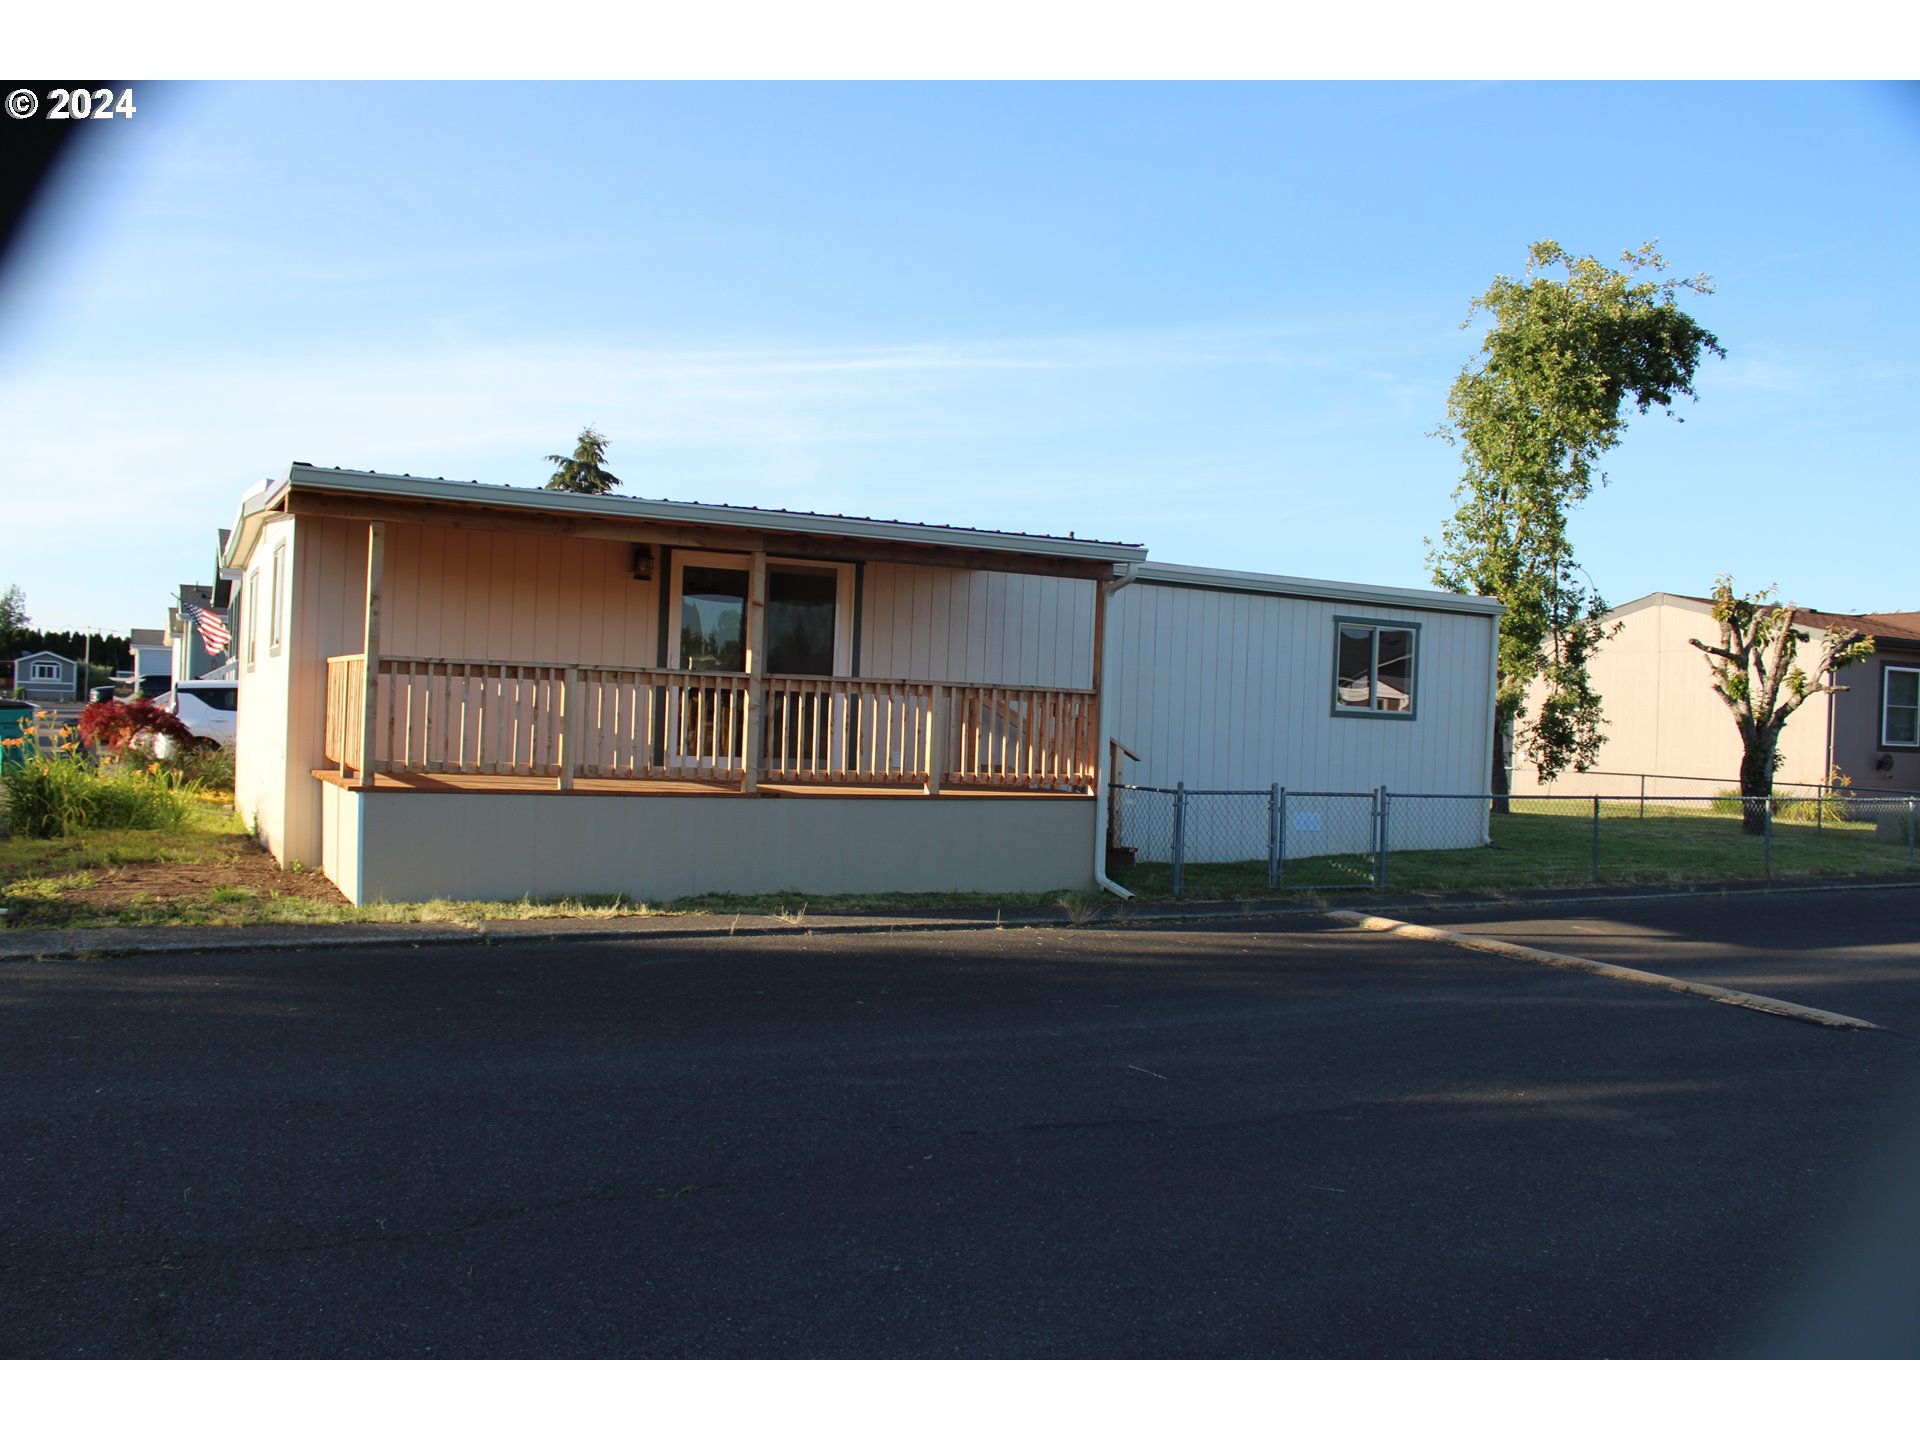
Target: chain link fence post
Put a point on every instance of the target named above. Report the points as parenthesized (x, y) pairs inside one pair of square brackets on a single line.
[(1273, 837), (1593, 870), (1179, 837), (1280, 870), (1910, 804), (1380, 847), (1767, 852)]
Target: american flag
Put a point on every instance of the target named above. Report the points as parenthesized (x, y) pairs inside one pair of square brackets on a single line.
[(213, 630)]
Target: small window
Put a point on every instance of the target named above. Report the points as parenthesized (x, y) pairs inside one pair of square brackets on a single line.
[(276, 603), (1900, 706), (1373, 668), (45, 670), (252, 607)]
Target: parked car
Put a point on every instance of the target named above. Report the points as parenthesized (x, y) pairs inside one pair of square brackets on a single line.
[(209, 708)]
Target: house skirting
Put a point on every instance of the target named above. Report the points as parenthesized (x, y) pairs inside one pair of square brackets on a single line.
[(413, 845)]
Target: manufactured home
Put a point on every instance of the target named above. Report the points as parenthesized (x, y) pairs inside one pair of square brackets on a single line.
[(1668, 731), (46, 678), (469, 691)]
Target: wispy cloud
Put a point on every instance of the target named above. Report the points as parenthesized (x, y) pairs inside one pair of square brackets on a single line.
[(1026, 432)]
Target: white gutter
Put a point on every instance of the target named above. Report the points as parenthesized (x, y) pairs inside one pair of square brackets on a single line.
[(246, 521), (1103, 777)]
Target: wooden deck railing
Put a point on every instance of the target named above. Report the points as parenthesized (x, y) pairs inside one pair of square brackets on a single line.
[(567, 722), (345, 677)]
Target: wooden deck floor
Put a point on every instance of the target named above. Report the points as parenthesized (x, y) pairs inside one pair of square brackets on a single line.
[(726, 790)]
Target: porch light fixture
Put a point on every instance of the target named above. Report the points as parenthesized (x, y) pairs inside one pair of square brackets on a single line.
[(641, 564)]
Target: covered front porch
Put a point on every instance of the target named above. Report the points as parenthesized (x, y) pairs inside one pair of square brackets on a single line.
[(598, 673)]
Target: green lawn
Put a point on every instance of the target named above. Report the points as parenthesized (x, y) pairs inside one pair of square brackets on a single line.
[(212, 873), (1549, 847)]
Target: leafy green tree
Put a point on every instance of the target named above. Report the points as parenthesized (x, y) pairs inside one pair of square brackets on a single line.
[(582, 472), (1572, 344), (1754, 671)]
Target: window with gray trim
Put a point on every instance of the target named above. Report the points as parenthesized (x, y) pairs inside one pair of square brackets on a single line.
[(1900, 705), (275, 603), (251, 605), (1373, 668)]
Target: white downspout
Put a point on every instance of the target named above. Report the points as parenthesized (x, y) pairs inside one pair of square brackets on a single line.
[(1103, 777)]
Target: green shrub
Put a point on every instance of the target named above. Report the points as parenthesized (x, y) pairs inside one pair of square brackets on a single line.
[(64, 792), (208, 766)]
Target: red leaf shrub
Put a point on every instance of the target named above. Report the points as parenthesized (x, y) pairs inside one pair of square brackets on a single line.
[(113, 723)]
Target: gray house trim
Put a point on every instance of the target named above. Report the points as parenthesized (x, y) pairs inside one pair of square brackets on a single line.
[(1886, 672), (1376, 624), (1293, 587)]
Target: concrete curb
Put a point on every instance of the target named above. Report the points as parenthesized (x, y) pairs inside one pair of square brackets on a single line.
[(116, 942), (1764, 1003)]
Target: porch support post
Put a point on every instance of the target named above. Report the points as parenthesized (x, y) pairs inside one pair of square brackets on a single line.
[(755, 728), (370, 664), (936, 739), (569, 725)]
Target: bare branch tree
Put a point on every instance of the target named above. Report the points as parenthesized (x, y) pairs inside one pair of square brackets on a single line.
[(1754, 672)]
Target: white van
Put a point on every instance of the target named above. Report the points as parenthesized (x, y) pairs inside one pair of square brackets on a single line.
[(209, 708)]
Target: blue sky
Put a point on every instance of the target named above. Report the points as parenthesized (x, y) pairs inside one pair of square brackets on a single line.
[(1217, 319)]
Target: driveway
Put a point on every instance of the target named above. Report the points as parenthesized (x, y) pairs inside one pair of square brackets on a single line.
[(1219, 1140)]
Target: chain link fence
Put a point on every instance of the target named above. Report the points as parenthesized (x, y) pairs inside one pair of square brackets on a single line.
[(1229, 843)]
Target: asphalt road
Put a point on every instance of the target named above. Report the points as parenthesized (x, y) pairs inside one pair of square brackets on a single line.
[(1220, 1141)]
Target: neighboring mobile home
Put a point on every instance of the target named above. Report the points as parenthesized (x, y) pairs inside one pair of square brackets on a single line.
[(593, 694), (46, 678), (1665, 723), (152, 655)]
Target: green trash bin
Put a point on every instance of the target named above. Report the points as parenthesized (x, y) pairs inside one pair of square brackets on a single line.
[(16, 719)]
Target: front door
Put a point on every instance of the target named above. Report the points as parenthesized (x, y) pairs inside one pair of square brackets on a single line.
[(809, 618), (706, 719)]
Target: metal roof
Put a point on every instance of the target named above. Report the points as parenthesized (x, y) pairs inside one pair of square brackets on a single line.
[(437, 489), (618, 507), (1901, 627), (1200, 577)]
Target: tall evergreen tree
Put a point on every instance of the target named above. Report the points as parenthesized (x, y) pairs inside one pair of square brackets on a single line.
[(583, 472)]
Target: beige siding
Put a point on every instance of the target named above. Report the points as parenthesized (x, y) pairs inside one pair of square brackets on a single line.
[(458, 594), (981, 626), (1663, 719), (327, 616), (1229, 690)]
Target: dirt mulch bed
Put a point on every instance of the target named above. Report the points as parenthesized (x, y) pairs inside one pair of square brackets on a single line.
[(230, 888), (245, 864)]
